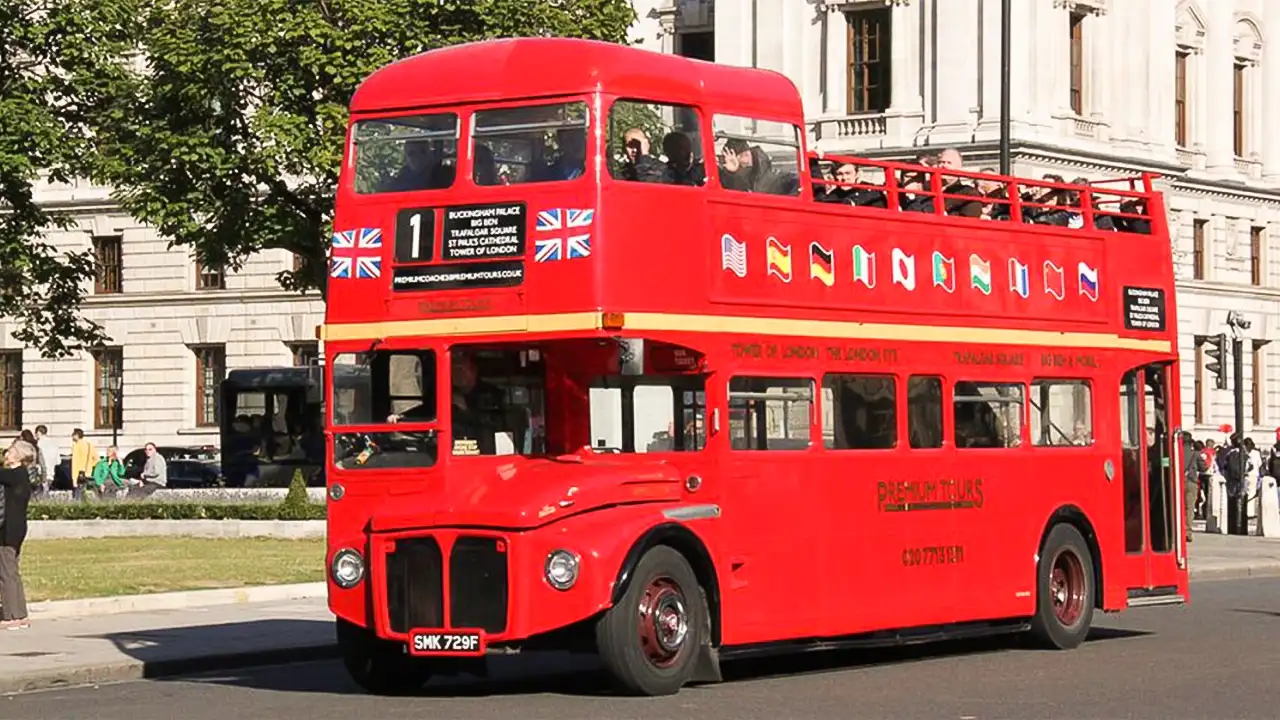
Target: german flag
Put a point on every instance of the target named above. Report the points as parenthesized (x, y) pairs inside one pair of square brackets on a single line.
[(779, 260), (822, 264)]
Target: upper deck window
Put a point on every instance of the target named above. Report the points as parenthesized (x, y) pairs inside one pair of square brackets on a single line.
[(655, 143), (532, 143), (758, 155), (403, 154)]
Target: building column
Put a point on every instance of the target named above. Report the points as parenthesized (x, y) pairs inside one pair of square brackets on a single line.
[(955, 71), (1271, 113), (1219, 95), (1160, 18), (904, 51)]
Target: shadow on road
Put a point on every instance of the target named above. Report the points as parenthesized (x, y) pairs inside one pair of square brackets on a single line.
[(577, 675)]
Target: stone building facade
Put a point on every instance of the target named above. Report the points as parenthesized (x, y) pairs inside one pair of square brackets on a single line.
[(1099, 89)]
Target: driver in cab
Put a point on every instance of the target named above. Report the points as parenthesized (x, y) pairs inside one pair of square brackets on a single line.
[(476, 409)]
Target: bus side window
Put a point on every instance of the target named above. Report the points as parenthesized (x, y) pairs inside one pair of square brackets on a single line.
[(988, 415), (759, 156), (1061, 413), (405, 154), (859, 412), (924, 411), (655, 143), (769, 413), (530, 144)]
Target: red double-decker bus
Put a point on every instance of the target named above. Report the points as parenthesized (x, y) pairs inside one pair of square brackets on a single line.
[(614, 365)]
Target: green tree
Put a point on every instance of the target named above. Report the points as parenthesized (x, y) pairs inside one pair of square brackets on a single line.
[(59, 60), (231, 142)]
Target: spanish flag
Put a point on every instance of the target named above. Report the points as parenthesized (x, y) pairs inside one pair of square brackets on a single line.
[(779, 260), (822, 264)]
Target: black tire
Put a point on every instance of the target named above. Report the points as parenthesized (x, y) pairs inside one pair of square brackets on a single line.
[(1065, 590), (663, 584), (378, 666)]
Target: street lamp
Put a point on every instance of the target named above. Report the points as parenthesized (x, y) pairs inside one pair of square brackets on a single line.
[(1006, 40), (113, 386), (1237, 510)]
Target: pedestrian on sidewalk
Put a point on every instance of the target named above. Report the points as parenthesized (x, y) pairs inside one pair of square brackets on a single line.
[(1190, 480), (16, 483), (83, 458)]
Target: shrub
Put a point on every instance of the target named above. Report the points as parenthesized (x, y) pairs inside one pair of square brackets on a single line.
[(176, 511)]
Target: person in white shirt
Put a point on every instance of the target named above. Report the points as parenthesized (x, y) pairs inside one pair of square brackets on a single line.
[(1253, 465)]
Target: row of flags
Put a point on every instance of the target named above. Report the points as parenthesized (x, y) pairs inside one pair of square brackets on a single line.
[(822, 268)]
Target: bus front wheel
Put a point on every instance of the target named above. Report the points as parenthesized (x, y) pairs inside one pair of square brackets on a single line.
[(1064, 590), (378, 666), (649, 641)]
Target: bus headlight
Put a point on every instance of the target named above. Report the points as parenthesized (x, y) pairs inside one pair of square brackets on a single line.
[(561, 569), (347, 568)]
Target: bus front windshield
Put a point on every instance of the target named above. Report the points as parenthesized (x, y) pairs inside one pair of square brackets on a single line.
[(497, 401)]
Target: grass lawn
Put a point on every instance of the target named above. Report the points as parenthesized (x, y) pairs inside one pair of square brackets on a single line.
[(65, 569)]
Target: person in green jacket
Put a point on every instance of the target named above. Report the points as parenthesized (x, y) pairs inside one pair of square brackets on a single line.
[(108, 474)]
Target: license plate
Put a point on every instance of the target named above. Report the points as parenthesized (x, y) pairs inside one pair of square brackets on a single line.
[(455, 642)]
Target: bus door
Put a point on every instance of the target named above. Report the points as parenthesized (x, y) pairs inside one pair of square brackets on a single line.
[(1150, 477)]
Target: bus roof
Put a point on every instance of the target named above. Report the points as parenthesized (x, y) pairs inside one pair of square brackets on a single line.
[(517, 68)]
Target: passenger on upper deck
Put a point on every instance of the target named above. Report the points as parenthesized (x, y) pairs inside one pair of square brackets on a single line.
[(417, 172), (637, 164), (952, 160), (682, 168), (571, 155), (746, 168)]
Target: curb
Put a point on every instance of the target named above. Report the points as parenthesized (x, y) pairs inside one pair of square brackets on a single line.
[(1237, 572), (52, 609), (143, 670)]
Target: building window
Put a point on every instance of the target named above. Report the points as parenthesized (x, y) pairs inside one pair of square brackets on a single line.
[(1198, 391), (869, 67), (1199, 257), (210, 278), (305, 353), (1077, 63), (11, 390), (108, 386), (697, 45), (1259, 384), (1255, 256), (108, 256), (1180, 98), (1238, 109), (211, 368)]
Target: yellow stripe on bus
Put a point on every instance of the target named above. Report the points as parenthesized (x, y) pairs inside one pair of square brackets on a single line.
[(669, 322)]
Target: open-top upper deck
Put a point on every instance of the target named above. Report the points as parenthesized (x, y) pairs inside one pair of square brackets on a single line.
[(938, 249)]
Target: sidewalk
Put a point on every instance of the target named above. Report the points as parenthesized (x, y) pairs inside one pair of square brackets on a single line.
[(129, 646)]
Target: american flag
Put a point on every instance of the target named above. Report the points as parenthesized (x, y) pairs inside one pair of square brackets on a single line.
[(733, 255), (561, 222), (356, 253)]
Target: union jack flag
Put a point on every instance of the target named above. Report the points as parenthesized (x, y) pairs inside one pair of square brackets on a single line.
[(561, 222), (356, 253)]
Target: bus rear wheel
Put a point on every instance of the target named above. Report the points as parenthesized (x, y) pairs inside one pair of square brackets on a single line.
[(649, 641), (378, 666), (1064, 590)]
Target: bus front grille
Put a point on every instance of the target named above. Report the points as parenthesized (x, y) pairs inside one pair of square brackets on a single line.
[(415, 588), (478, 584)]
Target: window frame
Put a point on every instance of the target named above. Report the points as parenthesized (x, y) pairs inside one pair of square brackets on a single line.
[(208, 278), (802, 164), (1199, 254), (1239, 97), (704, 146), (474, 135), (11, 372), (1051, 381), (677, 385), (1181, 65), (894, 388), (107, 416), (108, 276), (1024, 424), (783, 377), (353, 147), (1076, 71), (944, 424), (203, 392), (864, 25)]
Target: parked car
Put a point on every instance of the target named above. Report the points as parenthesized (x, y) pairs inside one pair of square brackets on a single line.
[(136, 459), (193, 474)]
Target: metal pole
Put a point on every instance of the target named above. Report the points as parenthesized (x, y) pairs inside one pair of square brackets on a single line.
[(1241, 500), (115, 418), (1006, 40)]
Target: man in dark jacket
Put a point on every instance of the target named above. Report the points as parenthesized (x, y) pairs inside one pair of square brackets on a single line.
[(1190, 479), (16, 483)]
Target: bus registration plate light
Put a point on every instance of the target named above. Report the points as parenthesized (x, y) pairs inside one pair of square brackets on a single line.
[(446, 642)]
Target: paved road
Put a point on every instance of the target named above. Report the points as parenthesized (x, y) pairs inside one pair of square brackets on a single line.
[(1156, 663)]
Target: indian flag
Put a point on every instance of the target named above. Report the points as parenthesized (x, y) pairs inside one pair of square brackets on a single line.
[(980, 274)]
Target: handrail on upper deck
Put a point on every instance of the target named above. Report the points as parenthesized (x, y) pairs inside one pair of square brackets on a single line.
[(920, 188)]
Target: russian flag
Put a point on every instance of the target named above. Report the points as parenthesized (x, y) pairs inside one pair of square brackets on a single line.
[(1088, 281)]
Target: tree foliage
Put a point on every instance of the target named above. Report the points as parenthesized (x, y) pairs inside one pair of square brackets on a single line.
[(231, 143), (220, 122), (59, 59)]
